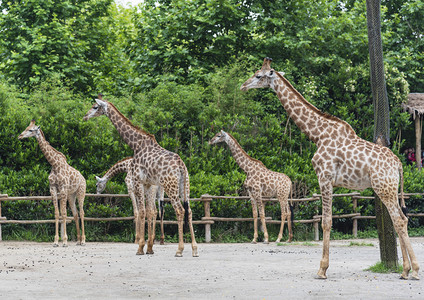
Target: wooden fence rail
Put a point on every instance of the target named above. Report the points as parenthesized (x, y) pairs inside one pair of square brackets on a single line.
[(207, 220)]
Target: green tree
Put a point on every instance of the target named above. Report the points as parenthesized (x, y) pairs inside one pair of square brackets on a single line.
[(50, 36)]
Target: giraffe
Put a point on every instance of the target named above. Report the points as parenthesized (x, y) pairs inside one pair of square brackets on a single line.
[(152, 165), (260, 182), (342, 159), (123, 166), (66, 184)]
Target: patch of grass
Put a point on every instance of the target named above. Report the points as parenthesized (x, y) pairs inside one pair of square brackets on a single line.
[(355, 244), (380, 267)]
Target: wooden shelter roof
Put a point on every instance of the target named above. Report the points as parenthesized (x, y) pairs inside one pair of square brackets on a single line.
[(415, 104)]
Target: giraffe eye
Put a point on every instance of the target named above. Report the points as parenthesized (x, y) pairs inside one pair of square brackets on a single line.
[(272, 72), (258, 76)]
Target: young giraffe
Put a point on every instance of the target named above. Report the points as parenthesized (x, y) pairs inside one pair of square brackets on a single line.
[(123, 166), (342, 159), (260, 182), (152, 165), (66, 184)]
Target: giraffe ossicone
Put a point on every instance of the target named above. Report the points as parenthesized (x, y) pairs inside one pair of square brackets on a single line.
[(260, 182), (342, 159)]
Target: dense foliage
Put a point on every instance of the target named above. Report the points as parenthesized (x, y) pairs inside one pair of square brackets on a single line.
[(174, 68)]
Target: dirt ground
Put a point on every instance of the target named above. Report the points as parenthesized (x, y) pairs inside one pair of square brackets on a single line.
[(31, 270)]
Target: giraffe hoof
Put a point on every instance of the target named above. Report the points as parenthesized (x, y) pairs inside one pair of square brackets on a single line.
[(321, 276), (278, 240), (65, 245), (55, 245), (178, 254), (415, 277), (150, 252), (140, 253), (253, 242), (266, 242)]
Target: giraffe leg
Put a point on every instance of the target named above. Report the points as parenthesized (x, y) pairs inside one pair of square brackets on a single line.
[(139, 192), (285, 214), (179, 211), (255, 219), (257, 195), (193, 238), (151, 217), (81, 197), (289, 224), (160, 195), (63, 212), (326, 192), (172, 190), (53, 192), (135, 210), (400, 223), (73, 207)]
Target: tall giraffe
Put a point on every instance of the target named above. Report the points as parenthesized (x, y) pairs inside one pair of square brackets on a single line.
[(152, 165), (260, 182), (66, 184), (123, 166), (342, 159)]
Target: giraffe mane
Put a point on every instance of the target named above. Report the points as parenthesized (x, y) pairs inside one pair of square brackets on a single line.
[(54, 149), (124, 159), (312, 107), (132, 125), (244, 152)]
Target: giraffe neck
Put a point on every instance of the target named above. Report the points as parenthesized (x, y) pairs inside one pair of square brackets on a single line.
[(245, 162), (120, 167), (317, 125), (53, 156), (131, 134)]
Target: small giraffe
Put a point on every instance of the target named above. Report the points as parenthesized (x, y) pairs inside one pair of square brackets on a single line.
[(260, 182), (342, 159), (152, 165), (66, 184), (123, 166)]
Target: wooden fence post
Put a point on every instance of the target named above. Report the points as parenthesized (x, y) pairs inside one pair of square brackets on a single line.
[(4, 196), (207, 199), (355, 221)]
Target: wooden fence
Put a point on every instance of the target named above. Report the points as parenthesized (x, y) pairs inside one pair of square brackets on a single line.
[(207, 220)]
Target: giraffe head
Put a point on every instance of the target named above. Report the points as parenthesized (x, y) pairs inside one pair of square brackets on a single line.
[(219, 138), (100, 184), (31, 130), (261, 79), (99, 108)]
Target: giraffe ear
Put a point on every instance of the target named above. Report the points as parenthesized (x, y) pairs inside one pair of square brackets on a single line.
[(98, 178)]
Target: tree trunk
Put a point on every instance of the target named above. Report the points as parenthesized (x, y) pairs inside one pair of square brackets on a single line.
[(386, 233), (418, 132)]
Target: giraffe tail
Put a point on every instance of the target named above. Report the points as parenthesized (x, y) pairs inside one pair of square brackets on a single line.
[(184, 191), (291, 206), (159, 196), (402, 198)]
